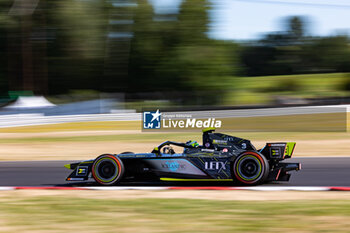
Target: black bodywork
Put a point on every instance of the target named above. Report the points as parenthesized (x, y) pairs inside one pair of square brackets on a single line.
[(212, 161)]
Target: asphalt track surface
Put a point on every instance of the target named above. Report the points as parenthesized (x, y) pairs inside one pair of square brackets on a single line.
[(320, 171)]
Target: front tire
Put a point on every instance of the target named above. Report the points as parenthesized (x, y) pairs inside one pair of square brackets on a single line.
[(250, 168), (107, 169)]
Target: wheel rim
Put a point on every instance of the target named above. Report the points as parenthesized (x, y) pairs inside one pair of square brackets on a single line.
[(249, 168), (106, 170)]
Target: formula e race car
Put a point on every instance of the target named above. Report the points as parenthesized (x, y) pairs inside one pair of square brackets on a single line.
[(220, 158)]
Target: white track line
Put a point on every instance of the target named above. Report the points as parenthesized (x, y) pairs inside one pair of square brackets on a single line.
[(7, 188), (126, 188), (289, 188)]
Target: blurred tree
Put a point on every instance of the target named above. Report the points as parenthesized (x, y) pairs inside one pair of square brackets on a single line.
[(114, 47), (118, 47), (296, 26), (328, 54), (4, 23), (145, 50), (16, 25), (174, 57), (76, 44), (193, 21), (291, 52)]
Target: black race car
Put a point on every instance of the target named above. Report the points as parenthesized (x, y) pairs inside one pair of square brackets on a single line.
[(220, 158)]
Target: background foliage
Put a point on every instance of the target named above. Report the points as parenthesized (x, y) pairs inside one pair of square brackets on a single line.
[(99, 45)]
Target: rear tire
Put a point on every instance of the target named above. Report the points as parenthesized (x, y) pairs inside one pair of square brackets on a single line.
[(107, 169), (250, 168)]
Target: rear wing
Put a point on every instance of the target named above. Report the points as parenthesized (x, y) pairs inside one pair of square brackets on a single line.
[(278, 150)]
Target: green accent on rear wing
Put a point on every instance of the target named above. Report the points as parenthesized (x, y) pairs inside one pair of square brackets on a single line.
[(177, 179), (208, 129), (289, 149), (67, 166)]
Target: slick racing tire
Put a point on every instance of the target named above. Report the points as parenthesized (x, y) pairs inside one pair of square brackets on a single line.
[(250, 168), (107, 169)]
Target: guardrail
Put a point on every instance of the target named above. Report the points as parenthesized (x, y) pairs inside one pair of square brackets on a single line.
[(39, 119), (16, 120)]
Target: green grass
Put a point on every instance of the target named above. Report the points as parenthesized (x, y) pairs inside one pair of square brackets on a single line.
[(262, 89), (62, 214)]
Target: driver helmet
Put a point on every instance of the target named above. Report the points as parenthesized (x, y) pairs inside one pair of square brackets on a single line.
[(193, 143)]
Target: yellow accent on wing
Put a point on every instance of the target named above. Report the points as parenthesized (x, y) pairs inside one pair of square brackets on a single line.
[(81, 170), (289, 149), (208, 129)]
